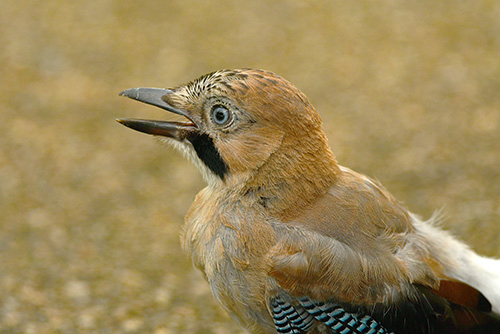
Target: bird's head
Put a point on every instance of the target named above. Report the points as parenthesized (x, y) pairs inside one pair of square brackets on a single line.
[(248, 128)]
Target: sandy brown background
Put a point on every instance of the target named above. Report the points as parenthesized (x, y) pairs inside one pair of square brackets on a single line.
[(90, 211)]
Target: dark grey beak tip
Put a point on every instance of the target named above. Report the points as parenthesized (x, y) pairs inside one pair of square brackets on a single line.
[(141, 125), (149, 95), (153, 96), (130, 93), (146, 94), (128, 122)]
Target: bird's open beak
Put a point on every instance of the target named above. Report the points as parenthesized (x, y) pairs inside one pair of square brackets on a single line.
[(155, 96)]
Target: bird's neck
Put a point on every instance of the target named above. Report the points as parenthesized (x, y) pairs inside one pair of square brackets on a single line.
[(293, 177)]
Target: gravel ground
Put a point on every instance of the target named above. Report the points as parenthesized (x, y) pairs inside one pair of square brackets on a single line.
[(91, 211)]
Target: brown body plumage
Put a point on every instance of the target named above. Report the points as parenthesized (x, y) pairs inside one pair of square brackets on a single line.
[(281, 220)]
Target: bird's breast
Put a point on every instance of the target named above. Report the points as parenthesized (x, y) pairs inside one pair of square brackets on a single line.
[(229, 244)]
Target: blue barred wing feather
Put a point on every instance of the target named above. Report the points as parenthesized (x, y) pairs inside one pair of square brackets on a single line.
[(300, 317), (290, 319)]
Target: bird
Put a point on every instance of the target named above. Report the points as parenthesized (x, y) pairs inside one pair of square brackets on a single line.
[(289, 240)]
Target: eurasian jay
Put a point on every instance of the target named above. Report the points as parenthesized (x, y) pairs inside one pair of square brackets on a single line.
[(292, 242)]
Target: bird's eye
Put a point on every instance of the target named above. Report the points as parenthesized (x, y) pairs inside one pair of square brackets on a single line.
[(220, 115)]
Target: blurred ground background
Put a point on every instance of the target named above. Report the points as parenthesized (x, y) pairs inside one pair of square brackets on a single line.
[(90, 211)]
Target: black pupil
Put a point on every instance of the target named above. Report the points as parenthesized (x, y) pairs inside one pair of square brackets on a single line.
[(220, 115)]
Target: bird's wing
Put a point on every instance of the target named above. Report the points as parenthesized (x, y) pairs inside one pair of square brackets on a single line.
[(304, 314), (353, 243), (322, 278), (356, 251), (424, 315)]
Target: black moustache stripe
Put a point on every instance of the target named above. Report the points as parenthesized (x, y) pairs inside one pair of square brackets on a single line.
[(208, 153)]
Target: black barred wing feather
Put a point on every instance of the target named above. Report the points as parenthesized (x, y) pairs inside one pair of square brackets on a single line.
[(337, 318), (300, 317), (290, 319)]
